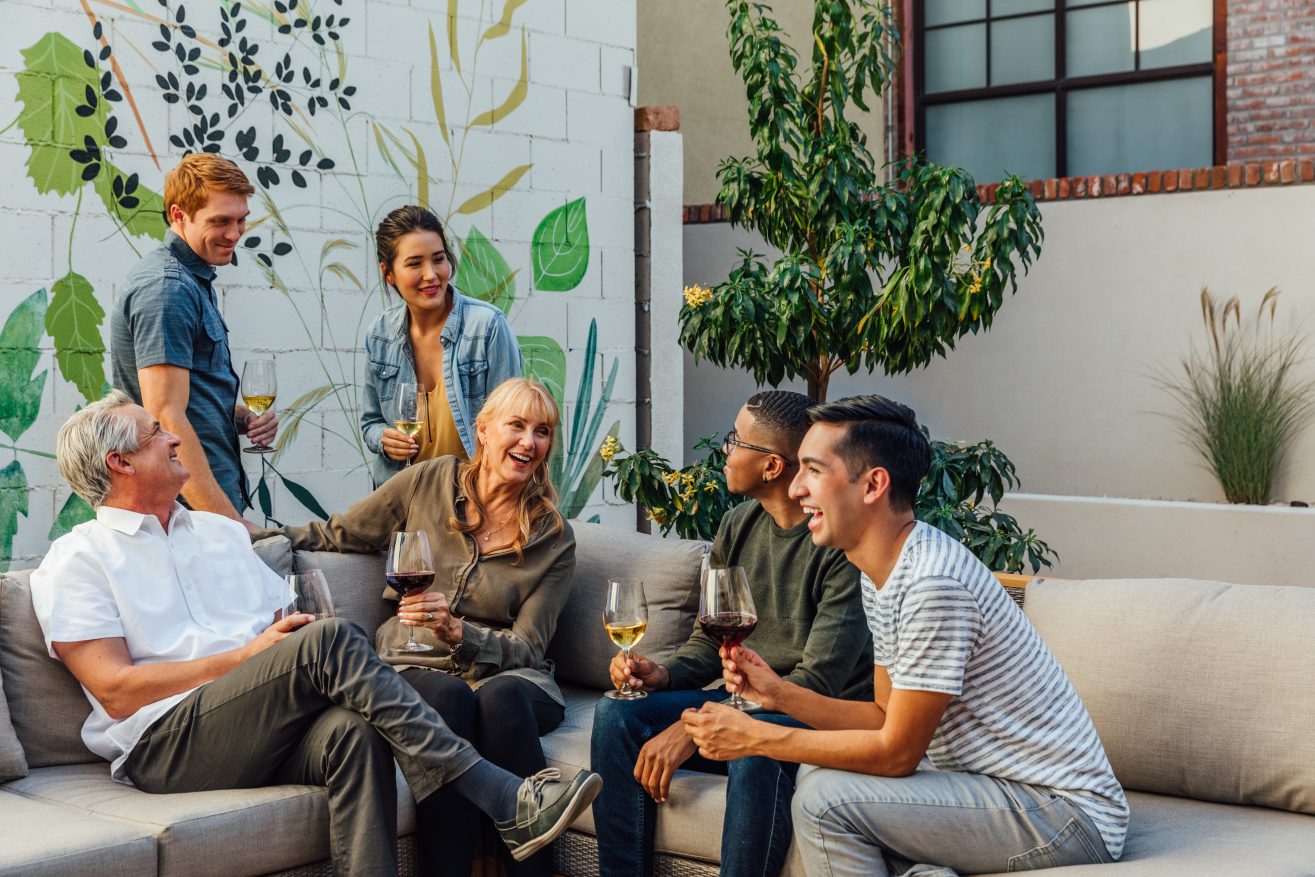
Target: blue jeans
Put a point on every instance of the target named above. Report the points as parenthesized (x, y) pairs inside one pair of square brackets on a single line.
[(935, 823), (756, 828)]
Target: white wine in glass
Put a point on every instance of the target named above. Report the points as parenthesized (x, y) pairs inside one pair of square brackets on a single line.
[(625, 617), (408, 413), (259, 387)]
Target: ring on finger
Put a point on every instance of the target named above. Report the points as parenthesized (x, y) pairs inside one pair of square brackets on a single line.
[(429, 616)]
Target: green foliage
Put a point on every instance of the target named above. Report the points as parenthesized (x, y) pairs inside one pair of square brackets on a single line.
[(692, 501), (73, 322), (560, 248), (812, 191), (959, 495), (544, 360), (13, 502), (1240, 404), (485, 274), (20, 393), (74, 511)]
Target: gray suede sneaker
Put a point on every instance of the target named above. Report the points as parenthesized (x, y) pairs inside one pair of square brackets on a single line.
[(546, 805)]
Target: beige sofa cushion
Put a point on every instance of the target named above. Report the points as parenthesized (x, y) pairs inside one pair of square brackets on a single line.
[(46, 704), (1197, 689), (43, 839), (13, 763), (236, 831), (356, 582), (669, 569)]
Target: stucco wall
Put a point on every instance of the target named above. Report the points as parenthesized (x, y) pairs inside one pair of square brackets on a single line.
[(1061, 382), (511, 120)]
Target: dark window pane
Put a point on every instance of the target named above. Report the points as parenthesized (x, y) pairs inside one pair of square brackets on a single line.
[(1101, 40), (1175, 32), (1149, 126), (950, 11), (1015, 7), (956, 58), (992, 138), (1022, 49)]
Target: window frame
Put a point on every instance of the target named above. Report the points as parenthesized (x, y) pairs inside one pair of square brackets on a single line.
[(916, 100)]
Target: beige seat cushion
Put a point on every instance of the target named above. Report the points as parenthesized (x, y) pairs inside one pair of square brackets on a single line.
[(1198, 689), (669, 569), (42, 839), (46, 704), (225, 833)]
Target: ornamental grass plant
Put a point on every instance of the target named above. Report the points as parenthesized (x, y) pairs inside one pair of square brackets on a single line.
[(1241, 399)]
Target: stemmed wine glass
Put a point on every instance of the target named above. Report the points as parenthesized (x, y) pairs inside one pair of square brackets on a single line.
[(625, 616), (259, 387), (727, 614), (410, 571), (310, 593), (409, 418)]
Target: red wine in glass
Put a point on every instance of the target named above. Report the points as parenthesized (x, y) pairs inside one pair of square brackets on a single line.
[(409, 571), (727, 613)]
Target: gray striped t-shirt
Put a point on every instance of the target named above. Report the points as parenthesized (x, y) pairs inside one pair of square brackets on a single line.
[(943, 623)]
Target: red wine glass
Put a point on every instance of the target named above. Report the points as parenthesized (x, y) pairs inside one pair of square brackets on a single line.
[(727, 614), (410, 570)]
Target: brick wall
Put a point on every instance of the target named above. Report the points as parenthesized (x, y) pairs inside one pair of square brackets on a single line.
[(1271, 79)]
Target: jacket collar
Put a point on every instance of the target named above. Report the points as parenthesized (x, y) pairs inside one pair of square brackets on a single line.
[(397, 319)]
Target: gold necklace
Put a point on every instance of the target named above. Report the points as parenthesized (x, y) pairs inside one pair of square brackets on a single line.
[(489, 534)]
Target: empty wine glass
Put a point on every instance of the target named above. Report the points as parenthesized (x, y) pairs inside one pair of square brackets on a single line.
[(625, 617), (726, 613), (259, 387), (410, 570), (310, 594)]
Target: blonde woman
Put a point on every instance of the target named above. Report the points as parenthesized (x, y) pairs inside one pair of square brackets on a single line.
[(503, 558)]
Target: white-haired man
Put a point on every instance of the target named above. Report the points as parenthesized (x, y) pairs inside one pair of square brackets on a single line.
[(166, 617)]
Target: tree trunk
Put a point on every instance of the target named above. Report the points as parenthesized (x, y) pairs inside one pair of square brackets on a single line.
[(818, 379)]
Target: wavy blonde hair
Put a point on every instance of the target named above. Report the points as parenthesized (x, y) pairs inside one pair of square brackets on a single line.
[(538, 500)]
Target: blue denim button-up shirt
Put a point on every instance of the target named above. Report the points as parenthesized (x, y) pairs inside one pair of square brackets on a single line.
[(479, 352)]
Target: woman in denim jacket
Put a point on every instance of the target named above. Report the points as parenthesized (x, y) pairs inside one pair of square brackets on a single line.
[(459, 348)]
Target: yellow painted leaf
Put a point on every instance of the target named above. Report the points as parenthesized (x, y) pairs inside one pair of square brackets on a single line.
[(503, 27), (496, 191), (342, 272), (514, 99), (436, 88), (422, 172), (452, 33), (384, 150)]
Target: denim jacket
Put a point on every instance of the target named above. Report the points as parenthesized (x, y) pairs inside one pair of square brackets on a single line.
[(479, 352)]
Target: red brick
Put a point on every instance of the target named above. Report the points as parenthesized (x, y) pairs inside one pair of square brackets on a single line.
[(1052, 188), (1171, 181), (1094, 187), (1234, 176), (1037, 187), (1202, 180), (1218, 176), (1306, 170), (1079, 187), (1153, 182), (1065, 188), (1287, 171), (663, 118), (1252, 174), (1138, 183), (1124, 184), (1271, 171), (1185, 181)]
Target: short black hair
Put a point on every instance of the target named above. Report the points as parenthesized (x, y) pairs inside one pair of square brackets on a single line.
[(881, 433), (783, 414)]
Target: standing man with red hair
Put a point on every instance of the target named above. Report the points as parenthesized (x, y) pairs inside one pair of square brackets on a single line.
[(169, 343)]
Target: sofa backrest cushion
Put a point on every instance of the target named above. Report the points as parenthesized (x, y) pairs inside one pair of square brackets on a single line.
[(1198, 689), (669, 569), (13, 762), (46, 704), (356, 583), (276, 551)]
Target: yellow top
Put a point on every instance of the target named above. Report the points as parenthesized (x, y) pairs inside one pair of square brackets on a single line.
[(439, 436)]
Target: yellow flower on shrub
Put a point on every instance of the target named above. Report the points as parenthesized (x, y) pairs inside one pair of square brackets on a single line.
[(697, 296), (609, 449)]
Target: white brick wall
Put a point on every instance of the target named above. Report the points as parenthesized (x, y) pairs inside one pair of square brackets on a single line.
[(574, 126)]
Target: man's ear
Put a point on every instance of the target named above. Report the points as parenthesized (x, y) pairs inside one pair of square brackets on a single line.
[(176, 214), (876, 485), (118, 463), (773, 468)]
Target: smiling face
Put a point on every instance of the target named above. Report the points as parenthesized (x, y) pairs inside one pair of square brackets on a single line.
[(155, 464), (420, 270), (214, 230), (826, 492), (515, 444)]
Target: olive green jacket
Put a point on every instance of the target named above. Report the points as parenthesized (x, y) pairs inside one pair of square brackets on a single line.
[(510, 612)]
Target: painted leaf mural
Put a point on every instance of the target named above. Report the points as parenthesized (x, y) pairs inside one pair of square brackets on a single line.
[(54, 83), (543, 359), (485, 274), (20, 393), (560, 248), (75, 511), (73, 321), (13, 502)]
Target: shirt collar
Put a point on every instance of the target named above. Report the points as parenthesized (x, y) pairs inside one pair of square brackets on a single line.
[(185, 254), (129, 522)]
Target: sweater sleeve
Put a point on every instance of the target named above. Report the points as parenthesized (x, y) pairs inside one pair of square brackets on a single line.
[(697, 663), (839, 634)]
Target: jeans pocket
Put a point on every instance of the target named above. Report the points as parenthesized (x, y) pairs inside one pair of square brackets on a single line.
[(1070, 846)]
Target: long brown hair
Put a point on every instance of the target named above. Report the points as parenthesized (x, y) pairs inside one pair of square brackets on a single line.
[(401, 222), (538, 499)]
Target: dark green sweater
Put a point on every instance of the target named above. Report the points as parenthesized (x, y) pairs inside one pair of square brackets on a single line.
[(811, 628)]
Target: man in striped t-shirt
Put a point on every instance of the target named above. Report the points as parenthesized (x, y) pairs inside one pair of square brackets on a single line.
[(1015, 777)]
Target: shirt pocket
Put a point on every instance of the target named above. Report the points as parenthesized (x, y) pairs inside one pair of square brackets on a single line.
[(384, 375), (474, 375), (210, 352)]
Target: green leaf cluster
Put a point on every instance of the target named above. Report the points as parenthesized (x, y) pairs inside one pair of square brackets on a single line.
[(692, 501), (872, 274)]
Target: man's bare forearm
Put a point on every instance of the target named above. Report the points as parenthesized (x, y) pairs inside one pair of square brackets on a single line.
[(828, 713)]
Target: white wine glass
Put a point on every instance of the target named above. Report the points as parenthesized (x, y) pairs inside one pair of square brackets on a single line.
[(727, 614), (310, 594), (408, 413), (410, 570), (625, 617), (259, 387)]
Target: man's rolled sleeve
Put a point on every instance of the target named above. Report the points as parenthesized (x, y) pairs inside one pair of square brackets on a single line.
[(164, 320), (73, 600)]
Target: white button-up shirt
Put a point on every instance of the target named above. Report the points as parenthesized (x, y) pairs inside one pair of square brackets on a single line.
[(193, 592)]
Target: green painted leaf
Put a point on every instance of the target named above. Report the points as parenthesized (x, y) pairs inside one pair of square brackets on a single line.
[(73, 321), (560, 248), (303, 496), (20, 393), (485, 275), (13, 502), (51, 86), (145, 218), (543, 360), (75, 511)]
